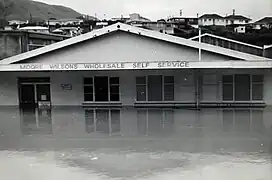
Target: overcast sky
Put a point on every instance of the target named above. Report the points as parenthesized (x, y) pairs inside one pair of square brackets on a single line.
[(156, 9)]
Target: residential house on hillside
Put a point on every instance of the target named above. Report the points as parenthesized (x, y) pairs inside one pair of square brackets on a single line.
[(187, 21), (211, 20), (64, 22), (236, 20), (265, 22)]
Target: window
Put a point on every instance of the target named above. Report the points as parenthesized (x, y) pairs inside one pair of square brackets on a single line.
[(114, 89), (257, 87), (243, 87), (88, 89), (141, 88), (228, 88), (155, 88), (169, 88), (101, 89)]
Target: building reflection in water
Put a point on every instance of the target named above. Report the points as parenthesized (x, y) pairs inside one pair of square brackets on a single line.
[(35, 121), (142, 122)]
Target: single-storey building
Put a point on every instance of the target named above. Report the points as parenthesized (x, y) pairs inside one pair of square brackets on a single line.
[(127, 80)]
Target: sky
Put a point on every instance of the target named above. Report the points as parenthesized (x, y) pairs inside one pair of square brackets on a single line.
[(157, 9)]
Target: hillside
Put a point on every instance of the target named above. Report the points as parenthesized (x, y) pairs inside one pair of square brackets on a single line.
[(24, 9)]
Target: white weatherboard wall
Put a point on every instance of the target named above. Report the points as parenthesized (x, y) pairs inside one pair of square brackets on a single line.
[(124, 47), (184, 85)]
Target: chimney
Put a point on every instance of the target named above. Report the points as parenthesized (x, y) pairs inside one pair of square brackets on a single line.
[(197, 15), (180, 13), (233, 12)]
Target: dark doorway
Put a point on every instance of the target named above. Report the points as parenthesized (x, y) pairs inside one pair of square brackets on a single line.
[(27, 95), (34, 92), (101, 89)]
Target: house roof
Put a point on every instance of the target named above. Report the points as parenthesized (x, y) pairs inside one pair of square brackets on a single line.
[(211, 16), (226, 39), (237, 17), (133, 30), (265, 20)]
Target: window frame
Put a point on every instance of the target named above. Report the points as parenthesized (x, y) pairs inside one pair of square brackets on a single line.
[(147, 90), (251, 89), (109, 89)]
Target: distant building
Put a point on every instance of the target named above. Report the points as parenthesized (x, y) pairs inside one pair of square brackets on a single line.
[(236, 20), (137, 17), (218, 20), (265, 22), (17, 22), (211, 20), (38, 29), (64, 22), (231, 44), (190, 21), (17, 42)]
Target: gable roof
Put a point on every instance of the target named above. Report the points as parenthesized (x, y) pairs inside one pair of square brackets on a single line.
[(134, 30), (211, 16), (237, 17), (265, 20)]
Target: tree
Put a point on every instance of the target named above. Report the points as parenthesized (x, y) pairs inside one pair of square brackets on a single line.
[(6, 7)]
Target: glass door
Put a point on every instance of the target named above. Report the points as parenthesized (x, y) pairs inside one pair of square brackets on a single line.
[(27, 95)]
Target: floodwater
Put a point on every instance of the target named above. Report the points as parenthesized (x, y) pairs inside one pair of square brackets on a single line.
[(68, 144)]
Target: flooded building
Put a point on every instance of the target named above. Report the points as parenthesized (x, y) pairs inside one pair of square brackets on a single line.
[(127, 81)]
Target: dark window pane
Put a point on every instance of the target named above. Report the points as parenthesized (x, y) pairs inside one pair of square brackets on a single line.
[(141, 92), (88, 89), (88, 81), (114, 97), (228, 79), (141, 80), (114, 80), (114, 89), (101, 89), (257, 92), (169, 92), (242, 87), (88, 97), (169, 79), (154, 88), (228, 92), (257, 78)]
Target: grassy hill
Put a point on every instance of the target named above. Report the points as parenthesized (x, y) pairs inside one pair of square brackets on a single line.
[(24, 9)]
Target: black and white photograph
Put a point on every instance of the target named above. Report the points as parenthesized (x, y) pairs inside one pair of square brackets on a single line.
[(135, 90)]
